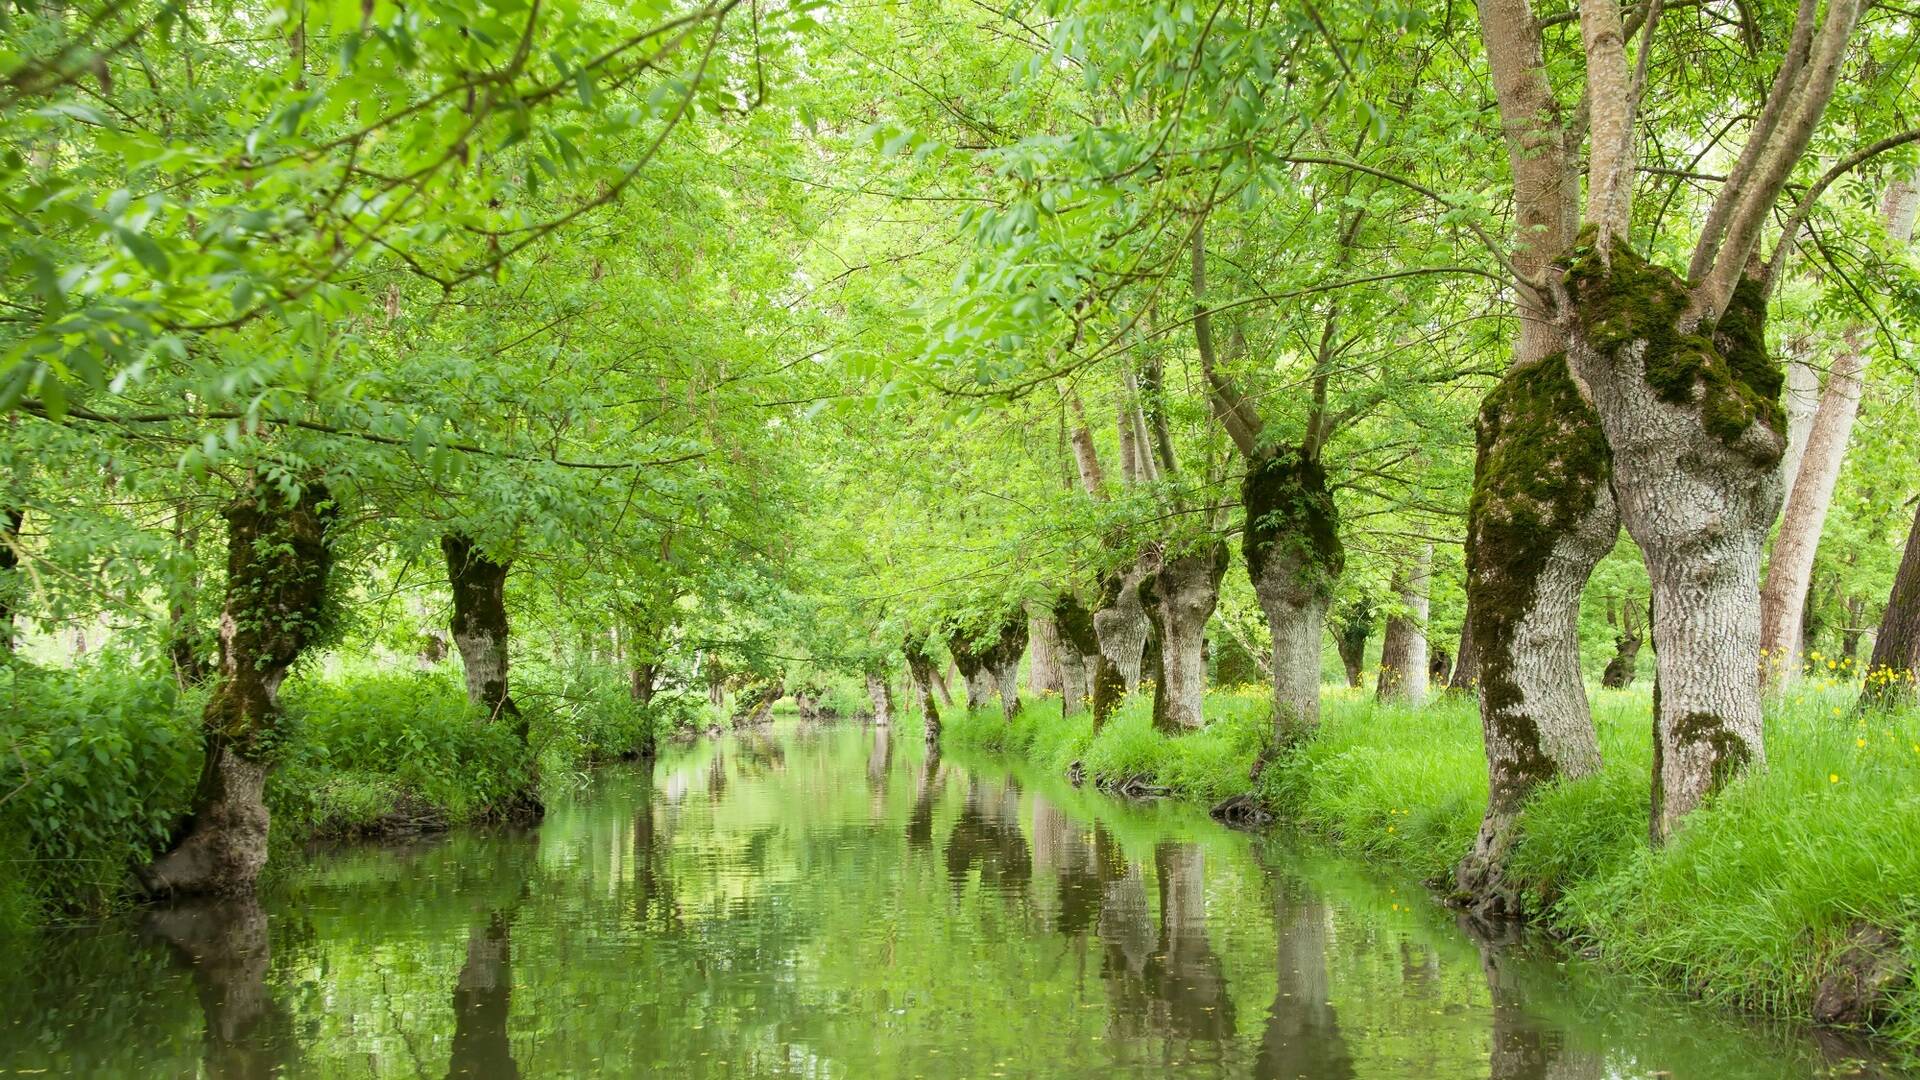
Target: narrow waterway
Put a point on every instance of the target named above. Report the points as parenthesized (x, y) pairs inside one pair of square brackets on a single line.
[(830, 902)]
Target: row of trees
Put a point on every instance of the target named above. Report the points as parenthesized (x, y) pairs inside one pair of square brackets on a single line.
[(1151, 339)]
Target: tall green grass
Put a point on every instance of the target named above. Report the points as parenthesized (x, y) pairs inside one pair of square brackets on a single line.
[(1747, 906)]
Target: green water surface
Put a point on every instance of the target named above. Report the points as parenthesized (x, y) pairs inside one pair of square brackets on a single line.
[(834, 902)]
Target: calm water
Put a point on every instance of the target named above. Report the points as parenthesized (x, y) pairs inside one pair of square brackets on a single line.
[(829, 903)]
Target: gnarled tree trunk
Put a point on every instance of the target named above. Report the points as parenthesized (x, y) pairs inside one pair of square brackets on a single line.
[(920, 668), (279, 559), (1122, 624), (1003, 660), (1403, 648), (1352, 627), (880, 693), (974, 671), (1692, 416), (1185, 591), (479, 627), (1078, 680), (1541, 518), (1291, 541), (1896, 649), (1044, 675)]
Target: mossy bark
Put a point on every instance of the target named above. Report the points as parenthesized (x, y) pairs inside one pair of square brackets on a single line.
[(1352, 628), (1003, 660), (1097, 683), (974, 672), (1291, 541), (1184, 591), (1540, 518), (1122, 624), (479, 627), (920, 667), (279, 563), (1692, 414)]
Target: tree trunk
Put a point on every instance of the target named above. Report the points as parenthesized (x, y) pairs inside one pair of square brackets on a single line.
[(1352, 629), (1542, 516), (479, 627), (881, 695), (1122, 625), (1185, 591), (1291, 541), (1801, 400), (1693, 421), (974, 671), (940, 685), (1077, 632), (1850, 634), (756, 704), (11, 518), (279, 559), (920, 668), (1629, 633), (185, 642), (1044, 674), (1002, 659), (1790, 570), (1466, 660), (641, 685), (1896, 648), (1403, 648)]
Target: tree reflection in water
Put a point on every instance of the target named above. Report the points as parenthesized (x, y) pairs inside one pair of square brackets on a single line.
[(920, 821), (1523, 1048), (226, 945), (482, 1001), (1302, 1036), (987, 835)]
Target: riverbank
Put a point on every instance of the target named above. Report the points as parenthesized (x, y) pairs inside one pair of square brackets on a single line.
[(98, 764), (1802, 874)]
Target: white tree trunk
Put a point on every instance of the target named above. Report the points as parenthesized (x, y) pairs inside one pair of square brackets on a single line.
[(1403, 648), (1783, 600), (1188, 589), (1297, 618), (1123, 630), (881, 694), (1801, 399), (1043, 670)]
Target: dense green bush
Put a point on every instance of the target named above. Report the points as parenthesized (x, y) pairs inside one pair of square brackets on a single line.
[(96, 766)]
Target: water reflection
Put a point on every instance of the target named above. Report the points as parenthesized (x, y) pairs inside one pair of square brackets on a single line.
[(1302, 1036), (835, 904), (227, 947), (482, 1001)]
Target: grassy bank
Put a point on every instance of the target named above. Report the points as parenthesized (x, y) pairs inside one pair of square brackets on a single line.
[(98, 763), (1751, 906)]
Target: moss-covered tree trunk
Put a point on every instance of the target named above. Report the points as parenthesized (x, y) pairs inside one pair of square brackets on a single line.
[(1094, 670), (1291, 541), (975, 675), (756, 703), (1185, 590), (1122, 625), (1352, 627), (1692, 414), (1002, 659), (479, 626), (920, 668), (1403, 647), (1895, 665), (1541, 517), (279, 560), (11, 519)]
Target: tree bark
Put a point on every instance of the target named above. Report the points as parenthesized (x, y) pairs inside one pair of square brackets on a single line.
[(1185, 591), (940, 685), (1896, 648), (880, 693), (756, 704), (279, 560), (1076, 630), (1403, 648), (11, 518), (1814, 471), (1801, 401), (1541, 518), (1123, 626), (1044, 675), (973, 669), (1629, 634), (1466, 660), (920, 667), (479, 627), (1352, 628), (1003, 660), (1291, 541)]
